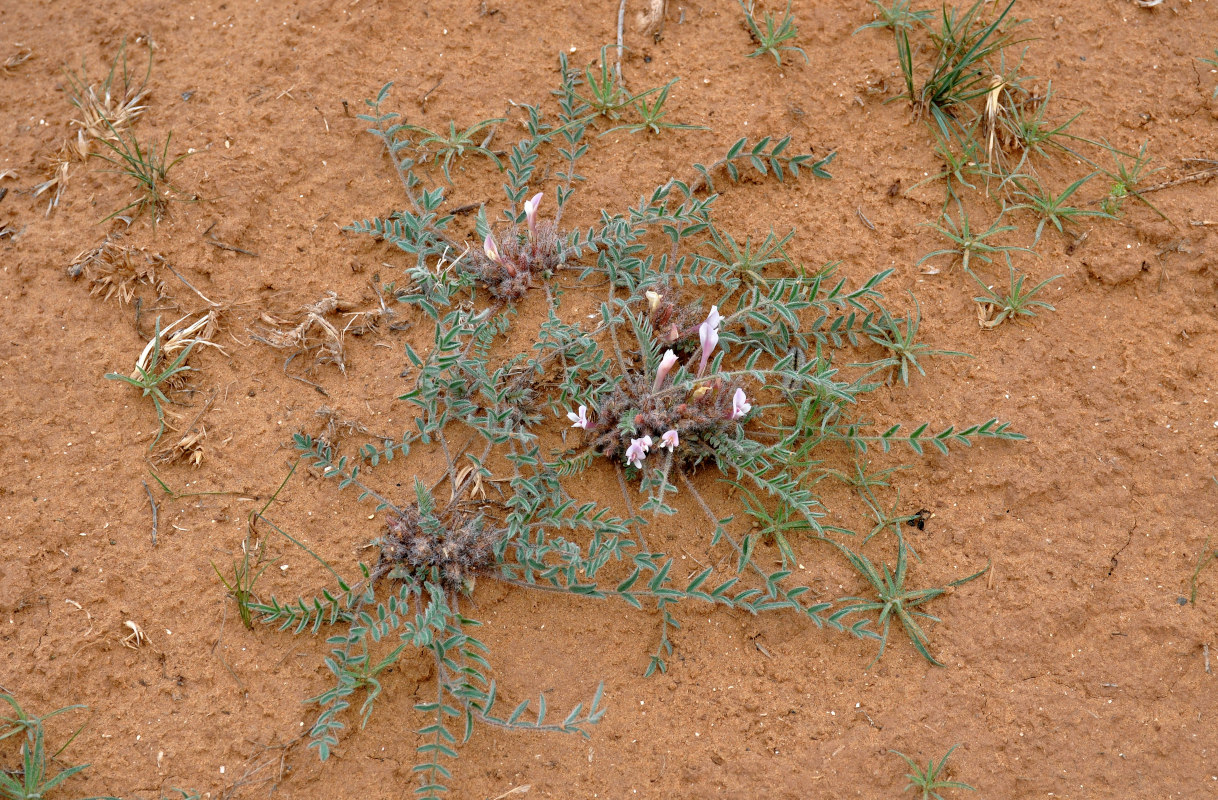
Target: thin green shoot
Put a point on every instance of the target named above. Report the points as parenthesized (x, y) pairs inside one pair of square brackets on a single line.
[(1207, 555), (149, 378), (1213, 62), (747, 260), (1035, 136), (32, 780), (958, 72), (113, 103), (1017, 302), (254, 561), (927, 781), (1125, 180), (607, 96), (771, 36), (246, 573)]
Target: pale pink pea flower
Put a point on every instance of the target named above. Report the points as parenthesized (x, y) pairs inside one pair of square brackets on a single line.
[(740, 404), (670, 440), (637, 451), (530, 214), (580, 420), (708, 334), (666, 364)]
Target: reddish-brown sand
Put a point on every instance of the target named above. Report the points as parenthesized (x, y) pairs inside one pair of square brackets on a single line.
[(1073, 669)]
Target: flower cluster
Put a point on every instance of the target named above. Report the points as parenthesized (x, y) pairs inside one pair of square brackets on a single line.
[(680, 416), (507, 266)]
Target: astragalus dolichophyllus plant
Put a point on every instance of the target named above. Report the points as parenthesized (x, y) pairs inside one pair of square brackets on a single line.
[(711, 357)]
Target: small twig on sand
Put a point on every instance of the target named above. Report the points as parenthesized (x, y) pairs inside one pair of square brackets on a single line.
[(151, 500), (1196, 176), (621, 21)]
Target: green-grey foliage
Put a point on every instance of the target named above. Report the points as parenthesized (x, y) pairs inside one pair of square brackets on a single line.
[(705, 359)]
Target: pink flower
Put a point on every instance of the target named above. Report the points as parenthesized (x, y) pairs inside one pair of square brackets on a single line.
[(666, 365), (492, 252), (491, 249), (740, 404), (708, 334), (580, 420), (637, 451), (670, 440), (530, 214)]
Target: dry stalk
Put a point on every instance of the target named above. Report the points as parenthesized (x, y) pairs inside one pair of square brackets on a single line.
[(17, 59), (174, 340), (316, 334)]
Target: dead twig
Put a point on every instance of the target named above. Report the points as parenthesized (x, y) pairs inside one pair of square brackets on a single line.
[(152, 502), (230, 247), (1196, 176)]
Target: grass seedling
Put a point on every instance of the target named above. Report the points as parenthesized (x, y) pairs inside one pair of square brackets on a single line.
[(746, 260), (446, 148), (898, 335), (1125, 180), (896, 17), (149, 167), (652, 114), (1207, 555), (1053, 208), (1213, 62), (893, 600), (32, 779), (1029, 132), (246, 572), (150, 375), (776, 32), (607, 96), (1017, 302), (969, 244), (927, 781)]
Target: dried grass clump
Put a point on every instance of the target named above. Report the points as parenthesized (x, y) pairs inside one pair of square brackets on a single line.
[(114, 269), (108, 107)]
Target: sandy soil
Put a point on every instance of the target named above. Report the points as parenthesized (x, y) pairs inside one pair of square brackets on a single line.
[(1075, 668)]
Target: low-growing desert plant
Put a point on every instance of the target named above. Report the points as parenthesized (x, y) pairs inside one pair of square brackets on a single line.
[(897, 15), (705, 360), (447, 147), (899, 336), (970, 244), (957, 73), (108, 106), (926, 782), (1053, 208)]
